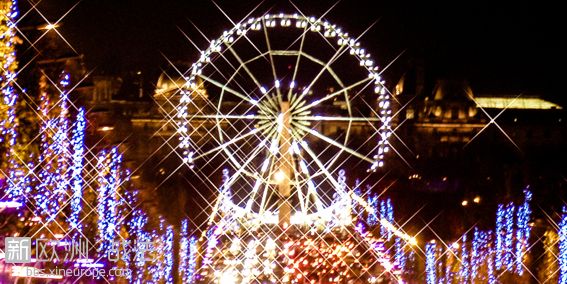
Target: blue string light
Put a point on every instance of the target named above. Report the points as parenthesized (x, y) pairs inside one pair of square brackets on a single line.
[(563, 247), (46, 156), (76, 171), (400, 256), (491, 262), (62, 146), (389, 216), (430, 269), (499, 234), (508, 260), (109, 181), (212, 241), (523, 231), (54, 158), (168, 251), (193, 253), (138, 238), (157, 267), (372, 218), (479, 252), (185, 252), (464, 273)]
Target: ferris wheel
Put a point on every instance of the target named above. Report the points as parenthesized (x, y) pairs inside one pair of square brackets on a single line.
[(287, 100)]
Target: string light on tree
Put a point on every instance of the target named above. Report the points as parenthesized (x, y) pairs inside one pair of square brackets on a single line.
[(522, 231), (500, 235), (168, 251), (508, 260), (62, 150), (563, 247), (464, 273), (77, 143), (109, 181), (54, 158), (430, 262), (16, 185), (140, 238)]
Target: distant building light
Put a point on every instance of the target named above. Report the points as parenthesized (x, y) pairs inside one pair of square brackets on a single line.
[(476, 199), (48, 26), (465, 203), (106, 128), (515, 103)]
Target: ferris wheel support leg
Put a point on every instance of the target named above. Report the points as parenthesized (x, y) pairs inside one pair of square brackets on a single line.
[(284, 187)]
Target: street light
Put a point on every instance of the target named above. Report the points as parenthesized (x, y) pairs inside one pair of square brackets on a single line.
[(48, 26), (476, 199)]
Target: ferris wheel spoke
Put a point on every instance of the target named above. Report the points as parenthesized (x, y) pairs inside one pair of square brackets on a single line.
[(271, 57), (226, 116), (230, 90), (232, 141), (333, 142), (337, 118), (336, 55), (311, 190), (241, 169), (319, 164), (332, 95), (243, 65), (297, 62)]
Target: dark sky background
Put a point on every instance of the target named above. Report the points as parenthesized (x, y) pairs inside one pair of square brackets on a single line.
[(510, 47)]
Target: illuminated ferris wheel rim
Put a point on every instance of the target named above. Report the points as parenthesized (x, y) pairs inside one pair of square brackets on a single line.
[(329, 31)]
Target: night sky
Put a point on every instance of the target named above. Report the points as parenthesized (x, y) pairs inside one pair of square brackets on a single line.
[(515, 47)]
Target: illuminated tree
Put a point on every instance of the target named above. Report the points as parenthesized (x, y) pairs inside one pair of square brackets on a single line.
[(13, 170), (563, 247), (76, 174), (109, 182), (53, 186)]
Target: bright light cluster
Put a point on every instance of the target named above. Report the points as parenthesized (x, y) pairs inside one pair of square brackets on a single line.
[(314, 260)]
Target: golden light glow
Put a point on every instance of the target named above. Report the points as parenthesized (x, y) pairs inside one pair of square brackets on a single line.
[(279, 176), (49, 26)]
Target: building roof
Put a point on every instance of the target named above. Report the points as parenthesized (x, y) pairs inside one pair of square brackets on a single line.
[(515, 103)]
